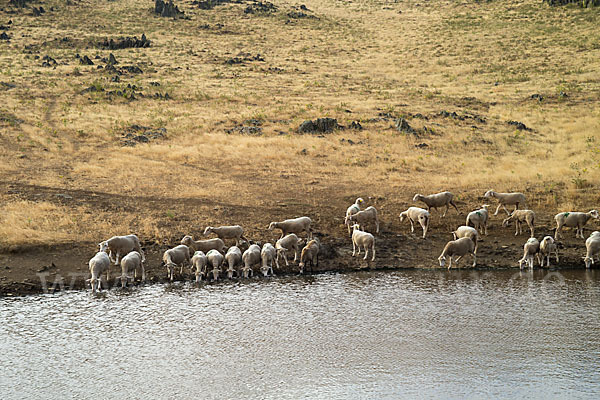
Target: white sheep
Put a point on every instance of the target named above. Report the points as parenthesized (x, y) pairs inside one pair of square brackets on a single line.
[(121, 245), (234, 260), (204, 245), (467, 232), (287, 243), (530, 248), (353, 209), (459, 247), (437, 200), (415, 214), (364, 239), (592, 247), (505, 199), (268, 255), (547, 247), (199, 263), (98, 264), (368, 215), (573, 219), (132, 261), (479, 219), (520, 217), (250, 258), (310, 255), (215, 259), (228, 232), (179, 255), (295, 225)]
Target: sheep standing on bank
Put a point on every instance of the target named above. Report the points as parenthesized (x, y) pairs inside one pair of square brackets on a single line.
[(520, 217), (132, 261), (215, 259), (121, 245), (467, 232), (295, 225), (506, 199), (353, 209), (287, 243), (179, 255), (268, 255), (234, 260), (573, 219), (547, 247), (364, 217), (592, 247), (415, 214), (98, 264), (530, 249), (250, 258), (310, 255), (228, 232), (437, 200), (199, 263), (204, 245), (459, 247), (479, 219), (364, 239)]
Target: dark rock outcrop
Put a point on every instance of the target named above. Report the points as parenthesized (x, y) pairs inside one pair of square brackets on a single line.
[(320, 125)]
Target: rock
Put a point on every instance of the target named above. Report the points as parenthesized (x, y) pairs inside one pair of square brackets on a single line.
[(132, 69), (260, 7), (320, 125), (141, 134), (519, 125), (125, 43), (403, 126), (356, 125), (64, 196), (167, 9), (85, 60), (537, 97), (421, 145), (4, 36), (112, 60), (48, 61), (581, 3)]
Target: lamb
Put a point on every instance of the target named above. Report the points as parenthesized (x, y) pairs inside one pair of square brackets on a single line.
[(268, 254), (98, 264), (282, 246), (179, 255), (132, 261), (415, 214), (121, 245), (310, 254), (437, 200), (368, 215), (479, 219), (468, 232), (592, 246), (364, 239), (199, 262), (520, 216), (234, 259), (547, 247), (459, 247), (505, 199), (250, 258), (296, 225), (215, 259), (531, 248), (228, 232), (573, 219), (204, 245), (353, 209)]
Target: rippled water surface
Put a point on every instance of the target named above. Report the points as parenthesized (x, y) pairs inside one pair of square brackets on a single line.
[(368, 335)]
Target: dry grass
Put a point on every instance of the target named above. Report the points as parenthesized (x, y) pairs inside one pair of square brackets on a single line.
[(474, 58)]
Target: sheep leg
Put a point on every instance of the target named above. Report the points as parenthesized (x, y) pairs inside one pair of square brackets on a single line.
[(424, 226), (353, 248), (450, 263), (117, 259), (485, 227), (557, 233), (373, 249), (366, 252), (505, 209), (474, 259), (377, 225), (517, 227), (445, 211), (454, 205), (497, 209), (556, 252), (412, 226)]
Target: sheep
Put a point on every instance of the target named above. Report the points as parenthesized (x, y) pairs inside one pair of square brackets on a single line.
[(369, 214), (215, 259), (520, 216), (310, 254), (573, 219), (179, 255), (468, 232), (547, 247), (228, 232), (204, 245), (592, 246), (353, 209), (459, 247), (505, 199), (296, 225), (131, 261), (268, 254), (199, 263), (250, 258), (530, 248), (437, 200), (234, 259), (364, 239), (287, 243), (98, 264), (479, 219), (415, 214), (121, 245)]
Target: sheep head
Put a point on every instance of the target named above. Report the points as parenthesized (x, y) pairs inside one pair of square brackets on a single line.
[(187, 240), (402, 216), (506, 222), (489, 193), (417, 197), (273, 225), (442, 260), (103, 246), (208, 230), (593, 214), (589, 261)]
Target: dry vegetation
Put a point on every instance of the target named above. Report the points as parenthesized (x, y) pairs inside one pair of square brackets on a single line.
[(367, 61)]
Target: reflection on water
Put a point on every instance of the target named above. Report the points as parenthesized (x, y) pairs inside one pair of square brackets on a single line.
[(364, 335)]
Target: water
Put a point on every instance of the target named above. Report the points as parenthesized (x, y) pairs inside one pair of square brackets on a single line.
[(432, 334)]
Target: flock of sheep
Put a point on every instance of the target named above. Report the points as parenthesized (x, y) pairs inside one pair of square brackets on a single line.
[(210, 258)]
